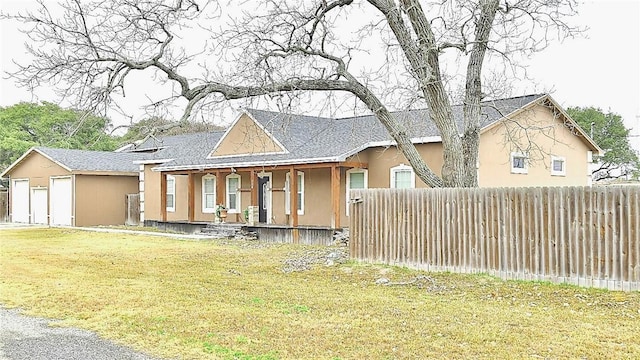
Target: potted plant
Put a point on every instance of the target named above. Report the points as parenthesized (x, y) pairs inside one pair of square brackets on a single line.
[(221, 212)]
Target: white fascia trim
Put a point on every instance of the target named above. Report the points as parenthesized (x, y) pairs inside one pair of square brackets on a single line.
[(247, 164), (151, 161), (233, 124), (123, 148), (370, 144)]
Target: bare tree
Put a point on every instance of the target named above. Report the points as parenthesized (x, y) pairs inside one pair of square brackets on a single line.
[(382, 52)]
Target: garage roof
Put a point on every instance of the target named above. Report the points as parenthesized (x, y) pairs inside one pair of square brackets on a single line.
[(79, 161)]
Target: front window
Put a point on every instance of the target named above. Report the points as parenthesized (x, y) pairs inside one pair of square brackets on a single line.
[(519, 163), (287, 193), (171, 193), (208, 194), (233, 193), (356, 179), (402, 177)]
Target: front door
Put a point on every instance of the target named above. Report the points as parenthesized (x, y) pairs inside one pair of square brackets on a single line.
[(263, 198)]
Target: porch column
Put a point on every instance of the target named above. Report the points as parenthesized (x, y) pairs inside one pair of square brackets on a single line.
[(335, 196), (191, 203), (254, 188), (163, 196), (293, 191), (220, 185)]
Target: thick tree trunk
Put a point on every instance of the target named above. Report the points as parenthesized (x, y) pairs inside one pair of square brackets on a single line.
[(422, 55), (473, 92)]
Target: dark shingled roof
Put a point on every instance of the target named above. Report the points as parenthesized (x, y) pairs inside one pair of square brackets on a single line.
[(314, 139), (86, 160)]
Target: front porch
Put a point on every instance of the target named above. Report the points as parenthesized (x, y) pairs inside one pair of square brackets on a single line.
[(306, 235), (317, 197)]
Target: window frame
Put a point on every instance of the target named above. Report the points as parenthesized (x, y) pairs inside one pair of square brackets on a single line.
[(238, 204), (205, 209), (348, 184), (401, 168), (517, 170), (171, 190), (555, 172), (287, 193)]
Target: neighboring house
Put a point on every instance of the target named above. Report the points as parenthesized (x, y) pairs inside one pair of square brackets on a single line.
[(71, 187), (293, 172), (273, 162)]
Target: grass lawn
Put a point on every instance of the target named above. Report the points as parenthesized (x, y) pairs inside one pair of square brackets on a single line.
[(233, 300)]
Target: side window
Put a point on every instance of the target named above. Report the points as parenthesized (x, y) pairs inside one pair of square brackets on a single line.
[(519, 163), (287, 193), (558, 166), (402, 177), (356, 179)]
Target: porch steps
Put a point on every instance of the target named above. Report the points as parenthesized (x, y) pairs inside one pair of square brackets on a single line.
[(228, 231)]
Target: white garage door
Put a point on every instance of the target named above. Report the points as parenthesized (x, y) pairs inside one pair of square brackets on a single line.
[(61, 201), (39, 206), (20, 201)]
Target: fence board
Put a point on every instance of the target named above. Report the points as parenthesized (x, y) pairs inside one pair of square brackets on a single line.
[(587, 236)]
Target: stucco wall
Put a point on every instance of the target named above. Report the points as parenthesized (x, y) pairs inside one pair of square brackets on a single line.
[(101, 199)]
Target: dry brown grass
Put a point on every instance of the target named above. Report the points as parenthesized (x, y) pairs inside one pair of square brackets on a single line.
[(221, 300)]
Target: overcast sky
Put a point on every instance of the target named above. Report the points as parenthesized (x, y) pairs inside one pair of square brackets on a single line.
[(602, 70)]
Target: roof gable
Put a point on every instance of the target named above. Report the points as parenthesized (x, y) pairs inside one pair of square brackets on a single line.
[(560, 115), (246, 137)]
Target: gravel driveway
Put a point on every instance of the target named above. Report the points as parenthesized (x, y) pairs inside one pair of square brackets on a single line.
[(28, 338)]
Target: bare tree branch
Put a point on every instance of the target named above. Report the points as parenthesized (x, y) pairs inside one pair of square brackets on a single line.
[(89, 49)]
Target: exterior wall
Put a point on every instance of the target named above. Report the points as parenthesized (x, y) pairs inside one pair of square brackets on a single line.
[(181, 200), (151, 193), (38, 169), (317, 197), (101, 199), (549, 135), (246, 137), (382, 159)]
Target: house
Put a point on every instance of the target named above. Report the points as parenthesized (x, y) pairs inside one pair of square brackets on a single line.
[(293, 173), (288, 176), (71, 187)]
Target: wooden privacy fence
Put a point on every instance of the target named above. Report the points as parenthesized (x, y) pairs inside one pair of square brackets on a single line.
[(589, 236)]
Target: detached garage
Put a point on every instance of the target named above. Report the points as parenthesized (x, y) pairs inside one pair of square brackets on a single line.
[(71, 187)]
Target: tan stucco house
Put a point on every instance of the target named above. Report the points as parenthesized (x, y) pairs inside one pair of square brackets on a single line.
[(276, 162), (71, 187), (272, 163)]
